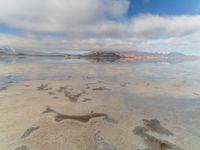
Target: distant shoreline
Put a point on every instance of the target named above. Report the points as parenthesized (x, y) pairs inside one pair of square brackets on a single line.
[(112, 56)]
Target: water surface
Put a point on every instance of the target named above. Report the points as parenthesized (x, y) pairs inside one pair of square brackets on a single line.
[(127, 92)]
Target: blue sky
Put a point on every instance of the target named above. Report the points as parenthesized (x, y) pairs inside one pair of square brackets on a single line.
[(9, 30), (143, 25), (164, 7)]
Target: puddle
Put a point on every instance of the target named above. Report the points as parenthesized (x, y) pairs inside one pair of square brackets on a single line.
[(81, 118), (29, 131)]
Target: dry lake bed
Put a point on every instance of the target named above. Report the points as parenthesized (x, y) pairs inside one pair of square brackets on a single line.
[(82, 105)]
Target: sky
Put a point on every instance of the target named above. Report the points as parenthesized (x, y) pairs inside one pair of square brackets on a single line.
[(122, 25)]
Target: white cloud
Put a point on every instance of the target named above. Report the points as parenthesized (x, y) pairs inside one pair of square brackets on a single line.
[(46, 42), (155, 25), (95, 24), (60, 15)]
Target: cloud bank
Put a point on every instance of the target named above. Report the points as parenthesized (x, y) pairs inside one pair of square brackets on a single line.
[(95, 24), (61, 15)]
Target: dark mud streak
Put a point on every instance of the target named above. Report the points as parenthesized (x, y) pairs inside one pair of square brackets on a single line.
[(49, 110), (197, 94), (23, 147), (28, 132), (152, 142), (124, 84), (3, 88), (155, 126), (42, 87), (56, 97), (81, 118), (86, 99), (101, 89), (59, 90), (73, 98), (63, 87), (27, 85), (51, 93), (88, 85), (93, 83), (100, 143), (104, 82)]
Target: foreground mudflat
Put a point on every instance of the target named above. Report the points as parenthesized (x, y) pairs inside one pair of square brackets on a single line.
[(99, 107)]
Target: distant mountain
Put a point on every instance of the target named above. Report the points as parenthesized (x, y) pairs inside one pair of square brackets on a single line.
[(175, 54), (103, 56), (7, 50)]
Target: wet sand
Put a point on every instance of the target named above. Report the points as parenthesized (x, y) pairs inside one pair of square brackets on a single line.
[(104, 108)]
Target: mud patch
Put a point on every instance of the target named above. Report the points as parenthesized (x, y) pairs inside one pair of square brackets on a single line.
[(23, 147), (81, 118), (48, 110), (42, 87), (101, 89), (100, 143), (51, 93), (124, 84), (197, 94), (3, 88), (88, 85), (86, 99), (73, 98), (56, 97), (28, 132), (62, 88), (27, 85), (155, 126), (154, 143)]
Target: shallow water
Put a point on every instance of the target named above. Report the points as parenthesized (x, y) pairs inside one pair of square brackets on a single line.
[(127, 92)]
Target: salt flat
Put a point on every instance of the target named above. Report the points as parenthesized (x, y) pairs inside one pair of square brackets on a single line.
[(83, 106)]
